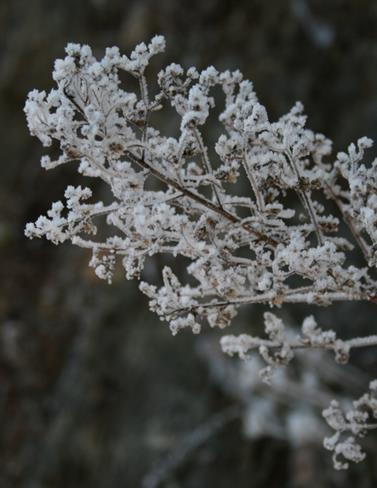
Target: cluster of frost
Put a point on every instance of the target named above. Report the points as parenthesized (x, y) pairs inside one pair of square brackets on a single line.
[(172, 195), (355, 422), (279, 348)]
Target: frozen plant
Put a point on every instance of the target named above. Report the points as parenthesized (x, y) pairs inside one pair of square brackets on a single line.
[(278, 242), (356, 422)]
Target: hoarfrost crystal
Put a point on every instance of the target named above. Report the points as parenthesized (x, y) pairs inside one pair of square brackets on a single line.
[(243, 249)]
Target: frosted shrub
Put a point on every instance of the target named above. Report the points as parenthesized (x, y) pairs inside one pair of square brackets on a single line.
[(277, 243)]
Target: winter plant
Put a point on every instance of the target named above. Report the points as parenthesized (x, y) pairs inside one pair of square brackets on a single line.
[(259, 215)]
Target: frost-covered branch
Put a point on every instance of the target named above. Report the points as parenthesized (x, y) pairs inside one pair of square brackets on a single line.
[(280, 346), (357, 422), (280, 241)]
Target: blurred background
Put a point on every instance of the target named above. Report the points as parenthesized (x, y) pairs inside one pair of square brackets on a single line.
[(94, 391)]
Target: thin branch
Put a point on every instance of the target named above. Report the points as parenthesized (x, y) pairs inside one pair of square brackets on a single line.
[(367, 341), (202, 200), (190, 444), (348, 220), (253, 182), (304, 197), (291, 296), (206, 163)]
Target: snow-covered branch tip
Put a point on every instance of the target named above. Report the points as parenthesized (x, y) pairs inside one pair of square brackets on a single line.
[(356, 422), (257, 215), (281, 344)]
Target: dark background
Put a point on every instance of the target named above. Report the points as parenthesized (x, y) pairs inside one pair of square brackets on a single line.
[(94, 391)]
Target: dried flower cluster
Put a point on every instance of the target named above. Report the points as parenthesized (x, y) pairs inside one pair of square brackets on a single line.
[(275, 243), (356, 422)]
